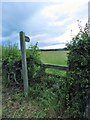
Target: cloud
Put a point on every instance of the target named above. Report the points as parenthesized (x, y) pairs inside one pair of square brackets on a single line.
[(15, 14), (58, 23), (46, 41), (48, 23), (66, 7), (53, 46), (50, 18), (13, 38), (39, 35), (31, 1)]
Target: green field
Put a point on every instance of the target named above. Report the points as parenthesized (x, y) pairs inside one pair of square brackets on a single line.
[(54, 57)]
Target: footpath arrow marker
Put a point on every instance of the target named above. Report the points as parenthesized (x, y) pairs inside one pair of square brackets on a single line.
[(27, 39)]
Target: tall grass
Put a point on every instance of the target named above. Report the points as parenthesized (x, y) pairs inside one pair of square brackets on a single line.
[(10, 52)]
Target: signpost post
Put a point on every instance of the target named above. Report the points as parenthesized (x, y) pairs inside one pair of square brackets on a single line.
[(24, 38)]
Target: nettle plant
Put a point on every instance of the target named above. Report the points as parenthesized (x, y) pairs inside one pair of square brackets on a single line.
[(78, 75)]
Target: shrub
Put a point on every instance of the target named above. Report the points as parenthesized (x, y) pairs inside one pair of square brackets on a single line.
[(10, 51), (10, 54), (33, 61), (11, 59), (78, 76)]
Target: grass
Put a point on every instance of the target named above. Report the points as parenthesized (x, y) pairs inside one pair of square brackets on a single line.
[(39, 103), (15, 105), (54, 57)]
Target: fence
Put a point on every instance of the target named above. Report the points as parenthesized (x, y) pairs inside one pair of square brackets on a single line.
[(54, 66), (44, 66)]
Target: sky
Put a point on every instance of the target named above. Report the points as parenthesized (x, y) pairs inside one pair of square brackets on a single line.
[(51, 23)]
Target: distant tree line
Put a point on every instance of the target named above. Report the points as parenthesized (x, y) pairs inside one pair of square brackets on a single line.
[(60, 49)]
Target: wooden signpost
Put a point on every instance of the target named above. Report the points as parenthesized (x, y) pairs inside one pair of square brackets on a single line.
[(24, 39)]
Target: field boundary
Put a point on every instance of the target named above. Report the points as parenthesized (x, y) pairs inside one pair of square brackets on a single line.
[(54, 66), (43, 66)]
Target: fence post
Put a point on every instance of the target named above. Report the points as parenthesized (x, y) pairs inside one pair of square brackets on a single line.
[(24, 62)]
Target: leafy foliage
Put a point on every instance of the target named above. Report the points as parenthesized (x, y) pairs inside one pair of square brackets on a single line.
[(45, 97), (10, 54), (33, 61), (11, 59), (78, 76)]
